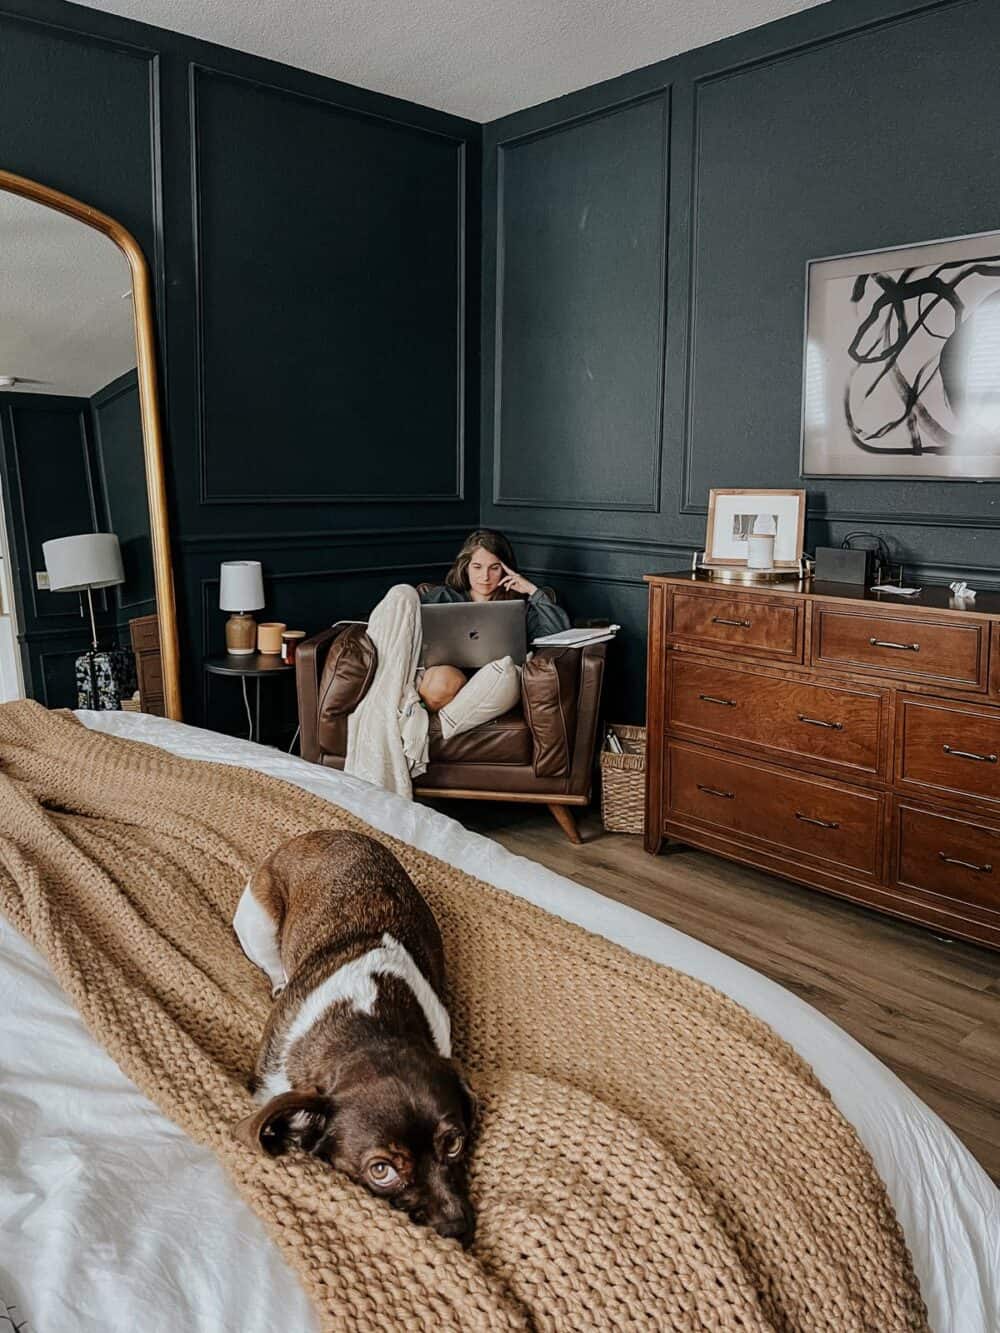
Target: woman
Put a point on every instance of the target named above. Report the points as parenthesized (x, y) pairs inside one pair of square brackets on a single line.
[(485, 570)]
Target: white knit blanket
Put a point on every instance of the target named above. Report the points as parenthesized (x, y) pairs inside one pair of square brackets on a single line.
[(387, 732)]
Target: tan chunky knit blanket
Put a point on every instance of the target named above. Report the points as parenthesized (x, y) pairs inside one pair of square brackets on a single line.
[(650, 1156)]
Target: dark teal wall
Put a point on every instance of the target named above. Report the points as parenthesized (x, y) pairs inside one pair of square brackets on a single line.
[(315, 250), (72, 465), (49, 473), (316, 254), (116, 427), (644, 251)]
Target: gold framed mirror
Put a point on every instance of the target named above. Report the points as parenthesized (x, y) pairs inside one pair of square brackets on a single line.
[(73, 344)]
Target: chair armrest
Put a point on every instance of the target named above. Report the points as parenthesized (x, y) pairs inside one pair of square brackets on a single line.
[(588, 716), (549, 688), (561, 696), (333, 671), (309, 658)]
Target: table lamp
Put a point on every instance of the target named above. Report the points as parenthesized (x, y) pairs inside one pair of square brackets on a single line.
[(241, 590), (81, 564)]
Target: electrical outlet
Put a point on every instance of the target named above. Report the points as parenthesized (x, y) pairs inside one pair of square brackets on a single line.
[(42, 579)]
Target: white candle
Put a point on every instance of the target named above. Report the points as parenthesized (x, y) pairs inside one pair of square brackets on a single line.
[(760, 550)]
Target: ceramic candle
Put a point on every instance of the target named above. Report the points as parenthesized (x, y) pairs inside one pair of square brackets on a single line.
[(269, 636), (760, 550)]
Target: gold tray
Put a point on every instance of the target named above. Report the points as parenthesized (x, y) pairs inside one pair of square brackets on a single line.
[(737, 574)]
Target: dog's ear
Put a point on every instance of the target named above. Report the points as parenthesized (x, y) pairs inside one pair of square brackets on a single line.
[(470, 1099), (296, 1119)]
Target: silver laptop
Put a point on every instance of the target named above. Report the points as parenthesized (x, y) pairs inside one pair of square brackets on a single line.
[(470, 634)]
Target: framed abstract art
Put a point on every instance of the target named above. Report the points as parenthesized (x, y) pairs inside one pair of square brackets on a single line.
[(901, 370)]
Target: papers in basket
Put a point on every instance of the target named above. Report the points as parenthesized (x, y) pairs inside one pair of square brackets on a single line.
[(576, 638)]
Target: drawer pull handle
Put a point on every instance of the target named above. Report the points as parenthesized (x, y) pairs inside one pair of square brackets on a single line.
[(967, 754), (969, 865), (903, 647), (817, 722), (721, 620), (714, 699), (823, 823), (714, 791)]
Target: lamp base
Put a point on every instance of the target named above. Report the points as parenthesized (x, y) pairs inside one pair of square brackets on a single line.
[(104, 678), (241, 635)]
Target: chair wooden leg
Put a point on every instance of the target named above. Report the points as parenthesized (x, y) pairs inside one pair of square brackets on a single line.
[(565, 818)]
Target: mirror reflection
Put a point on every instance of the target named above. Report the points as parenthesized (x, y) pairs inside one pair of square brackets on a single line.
[(78, 624)]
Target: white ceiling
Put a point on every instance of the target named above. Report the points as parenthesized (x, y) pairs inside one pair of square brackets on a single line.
[(481, 59), (65, 302)]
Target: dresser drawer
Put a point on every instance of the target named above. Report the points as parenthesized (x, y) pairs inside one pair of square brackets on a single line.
[(922, 648), (840, 725), (947, 855), (150, 670), (769, 628), (145, 632), (815, 818), (949, 748)]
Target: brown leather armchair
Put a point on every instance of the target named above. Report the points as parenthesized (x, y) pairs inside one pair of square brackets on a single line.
[(541, 751)]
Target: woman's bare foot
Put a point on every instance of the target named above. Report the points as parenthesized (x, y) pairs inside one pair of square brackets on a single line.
[(439, 685)]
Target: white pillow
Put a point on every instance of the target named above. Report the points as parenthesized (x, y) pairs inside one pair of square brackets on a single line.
[(492, 691)]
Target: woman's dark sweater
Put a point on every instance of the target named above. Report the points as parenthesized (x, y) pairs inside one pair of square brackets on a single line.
[(543, 616)]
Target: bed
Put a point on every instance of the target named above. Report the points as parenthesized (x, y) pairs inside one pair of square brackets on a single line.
[(111, 1218)]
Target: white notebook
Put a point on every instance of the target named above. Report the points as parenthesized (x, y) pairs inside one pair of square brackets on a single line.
[(576, 638)]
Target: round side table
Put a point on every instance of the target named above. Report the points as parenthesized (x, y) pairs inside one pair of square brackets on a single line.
[(249, 666)]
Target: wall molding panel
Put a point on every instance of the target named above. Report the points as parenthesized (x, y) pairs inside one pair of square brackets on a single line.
[(444, 453), (213, 620), (564, 359), (726, 73), (321, 539), (58, 440)]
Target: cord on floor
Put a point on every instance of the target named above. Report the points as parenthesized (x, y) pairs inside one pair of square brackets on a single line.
[(246, 704)]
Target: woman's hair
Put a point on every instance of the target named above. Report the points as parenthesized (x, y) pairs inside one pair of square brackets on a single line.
[(494, 542)]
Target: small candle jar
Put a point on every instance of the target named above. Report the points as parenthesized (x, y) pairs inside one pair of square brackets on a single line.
[(269, 634), (290, 641), (760, 550)]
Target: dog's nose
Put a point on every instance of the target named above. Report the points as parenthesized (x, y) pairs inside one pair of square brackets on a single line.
[(457, 1224)]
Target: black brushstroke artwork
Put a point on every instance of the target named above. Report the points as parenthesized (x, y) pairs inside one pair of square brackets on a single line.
[(9, 1321), (926, 360)]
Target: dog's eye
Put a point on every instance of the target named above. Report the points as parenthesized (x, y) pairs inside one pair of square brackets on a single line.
[(453, 1145), (382, 1173)]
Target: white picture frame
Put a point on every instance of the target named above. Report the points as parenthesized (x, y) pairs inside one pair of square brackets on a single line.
[(733, 513)]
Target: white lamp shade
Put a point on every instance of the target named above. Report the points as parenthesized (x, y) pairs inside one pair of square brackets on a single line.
[(241, 586), (92, 560)]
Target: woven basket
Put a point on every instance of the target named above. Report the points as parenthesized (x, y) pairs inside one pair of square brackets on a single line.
[(623, 781)]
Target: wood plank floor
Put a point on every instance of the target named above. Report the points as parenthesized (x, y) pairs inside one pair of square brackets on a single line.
[(930, 1009)]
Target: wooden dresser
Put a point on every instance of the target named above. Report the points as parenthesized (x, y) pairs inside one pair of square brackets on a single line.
[(849, 741), (145, 634)]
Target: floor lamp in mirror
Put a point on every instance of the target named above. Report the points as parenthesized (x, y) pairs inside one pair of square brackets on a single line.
[(85, 564)]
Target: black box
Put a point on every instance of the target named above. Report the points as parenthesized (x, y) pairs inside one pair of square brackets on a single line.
[(835, 564)]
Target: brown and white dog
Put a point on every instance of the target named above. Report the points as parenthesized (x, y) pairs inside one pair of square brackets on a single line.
[(355, 1062)]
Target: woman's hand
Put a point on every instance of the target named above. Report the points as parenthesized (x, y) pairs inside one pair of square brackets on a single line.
[(515, 582)]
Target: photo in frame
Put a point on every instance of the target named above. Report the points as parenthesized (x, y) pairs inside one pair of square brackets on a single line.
[(901, 368), (734, 514)]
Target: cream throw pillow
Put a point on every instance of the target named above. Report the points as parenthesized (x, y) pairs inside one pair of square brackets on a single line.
[(492, 691)]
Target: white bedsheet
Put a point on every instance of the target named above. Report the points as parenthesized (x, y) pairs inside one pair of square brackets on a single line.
[(112, 1220)]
